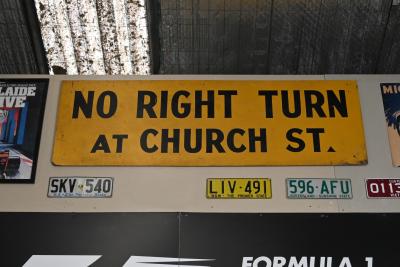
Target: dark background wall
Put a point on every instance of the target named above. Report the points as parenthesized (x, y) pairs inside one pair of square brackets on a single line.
[(279, 36), (390, 55), (21, 49), (239, 37)]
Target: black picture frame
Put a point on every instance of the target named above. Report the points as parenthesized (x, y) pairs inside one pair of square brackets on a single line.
[(21, 121)]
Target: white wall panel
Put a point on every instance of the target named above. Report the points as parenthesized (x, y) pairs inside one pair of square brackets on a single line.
[(379, 157), (183, 188)]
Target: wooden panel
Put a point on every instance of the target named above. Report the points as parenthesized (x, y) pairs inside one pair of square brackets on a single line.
[(231, 50), (240, 37), (17, 48), (218, 35), (254, 36), (311, 37), (368, 24), (278, 37), (286, 28), (390, 52), (169, 36), (327, 36)]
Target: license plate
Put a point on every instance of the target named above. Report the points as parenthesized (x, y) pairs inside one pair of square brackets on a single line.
[(231, 188), (383, 187), (80, 187), (318, 188)]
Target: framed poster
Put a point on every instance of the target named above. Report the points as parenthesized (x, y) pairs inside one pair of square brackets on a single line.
[(22, 103), (391, 105)]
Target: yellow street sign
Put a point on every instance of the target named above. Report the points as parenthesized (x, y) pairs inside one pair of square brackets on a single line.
[(231, 188), (209, 123)]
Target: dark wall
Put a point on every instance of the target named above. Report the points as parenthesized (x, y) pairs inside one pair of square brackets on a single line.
[(390, 54), (21, 48), (279, 36), (220, 239), (239, 37)]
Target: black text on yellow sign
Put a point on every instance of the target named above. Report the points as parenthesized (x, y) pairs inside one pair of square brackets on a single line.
[(209, 123), (240, 188)]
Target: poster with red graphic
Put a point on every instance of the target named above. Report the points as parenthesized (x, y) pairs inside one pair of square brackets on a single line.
[(22, 103), (391, 104)]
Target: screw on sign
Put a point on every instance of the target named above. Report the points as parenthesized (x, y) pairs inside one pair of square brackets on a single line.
[(383, 187)]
